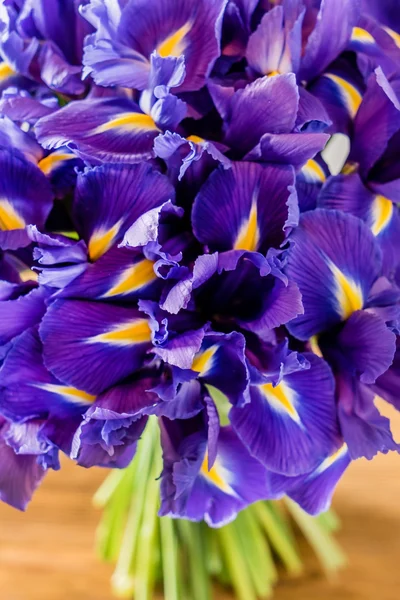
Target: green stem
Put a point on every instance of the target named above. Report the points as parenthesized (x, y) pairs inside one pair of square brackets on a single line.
[(278, 537), (169, 559), (122, 580), (145, 571), (236, 564), (110, 530), (108, 488), (256, 552), (213, 552), (329, 520), (199, 580), (325, 547)]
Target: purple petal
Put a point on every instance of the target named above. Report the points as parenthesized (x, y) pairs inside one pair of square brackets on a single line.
[(113, 340), (257, 205), (291, 427), (328, 264), (268, 105)]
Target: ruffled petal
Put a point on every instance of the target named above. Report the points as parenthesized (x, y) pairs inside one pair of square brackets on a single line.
[(193, 491)]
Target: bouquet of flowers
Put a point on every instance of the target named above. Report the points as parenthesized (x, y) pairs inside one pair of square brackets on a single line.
[(184, 278)]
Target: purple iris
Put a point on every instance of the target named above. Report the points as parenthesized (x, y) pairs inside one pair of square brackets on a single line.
[(173, 245)]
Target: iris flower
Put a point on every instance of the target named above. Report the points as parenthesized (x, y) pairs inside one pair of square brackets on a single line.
[(174, 247)]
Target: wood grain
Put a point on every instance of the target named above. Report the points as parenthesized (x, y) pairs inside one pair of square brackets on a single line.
[(47, 553)]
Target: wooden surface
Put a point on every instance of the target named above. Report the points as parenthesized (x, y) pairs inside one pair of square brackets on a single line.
[(47, 553)]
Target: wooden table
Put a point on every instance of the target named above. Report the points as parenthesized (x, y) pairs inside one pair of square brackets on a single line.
[(47, 553)]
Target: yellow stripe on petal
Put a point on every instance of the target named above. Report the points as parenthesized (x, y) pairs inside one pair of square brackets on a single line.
[(215, 475), (313, 170), (349, 93), (382, 211), (362, 35), (9, 218), (349, 168), (5, 71), (203, 361), (133, 278), (394, 35), (24, 272), (126, 122), (348, 293), (125, 334), (70, 394), (28, 275), (328, 462), (51, 162), (101, 240), (174, 44), (282, 398), (248, 237), (195, 139), (313, 341)]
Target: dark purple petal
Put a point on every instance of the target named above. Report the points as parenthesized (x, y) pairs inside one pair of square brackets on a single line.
[(256, 203), (109, 344), (364, 347), (110, 198), (100, 130), (313, 492), (292, 426), (25, 193), (328, 264), (330, 36), (190, 490), (268, 105), (20, 475), (364, 429), (377, 120), (29, 391)]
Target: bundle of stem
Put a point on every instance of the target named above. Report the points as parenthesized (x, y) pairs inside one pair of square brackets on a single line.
[(185, 558)]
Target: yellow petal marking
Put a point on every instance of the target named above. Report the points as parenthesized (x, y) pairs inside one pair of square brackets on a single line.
[(133, 278), (5, 71), (129, 121), (9, 218), (394, 35), (174, 44), (203, 360), (348, 293), (28, 275), (313, 170), (69, 393), (328, 462), (248, 237), (273, 73), (195, 139), (313, 341), (136, 331), (214, 475), (281, 397), (47, 164), (24, 272), (101, 240), (349, 167), (361, 35), (382, 211), (350, 94)]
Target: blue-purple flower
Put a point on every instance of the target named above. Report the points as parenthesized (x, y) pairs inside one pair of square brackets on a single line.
[(174, 247)]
